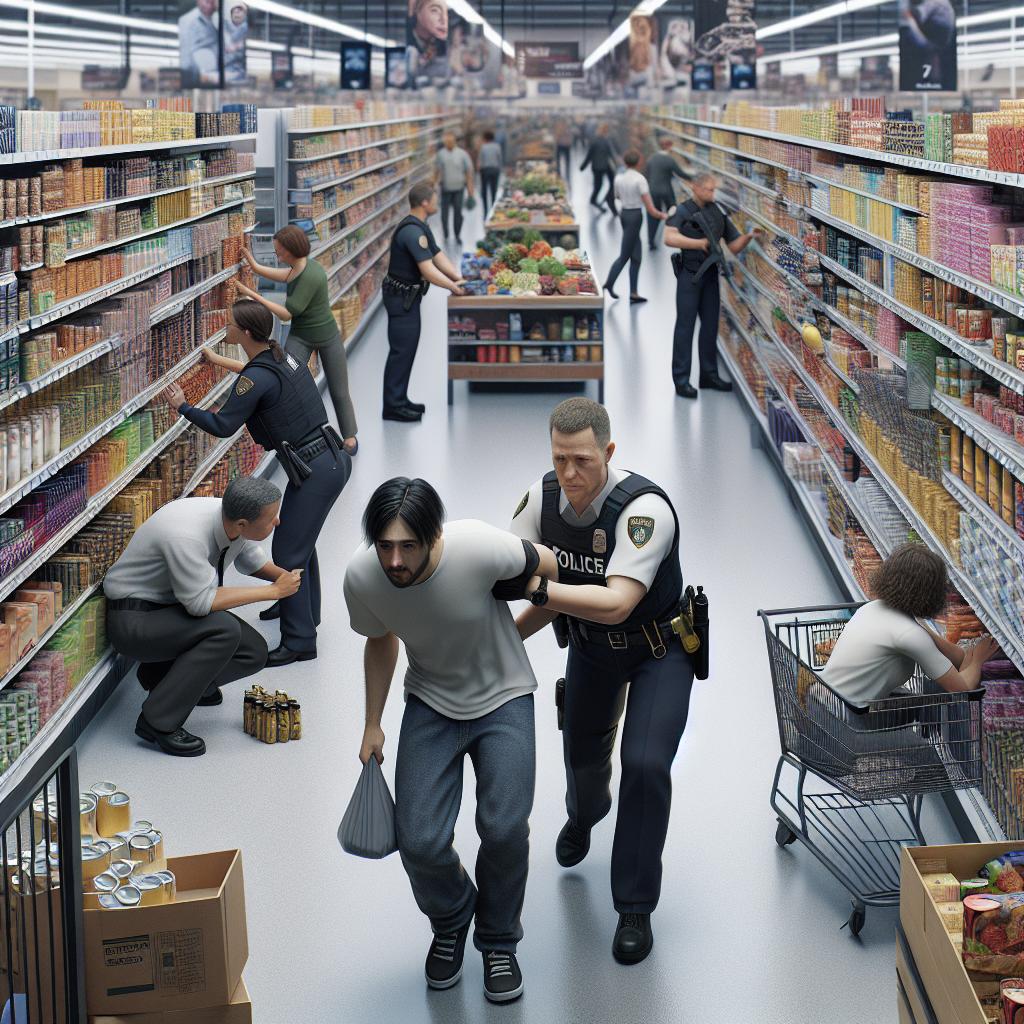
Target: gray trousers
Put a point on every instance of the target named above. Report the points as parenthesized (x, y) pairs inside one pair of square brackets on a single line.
[(188, 655), (428, 795), (335, 363)]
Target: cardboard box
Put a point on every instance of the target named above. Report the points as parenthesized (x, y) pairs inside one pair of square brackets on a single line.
[(184, 955), (950, 989), (238, 1011)]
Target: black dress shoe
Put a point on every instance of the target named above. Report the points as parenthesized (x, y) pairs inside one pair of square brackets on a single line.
[(572, 845), (416, 407), (211, 699), (633, 938), (180, 743), (403, 415), (715, 383), (282, 655), (636, 299), (271, 613), (686, 390)]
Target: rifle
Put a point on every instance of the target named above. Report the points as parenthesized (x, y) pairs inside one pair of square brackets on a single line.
[(715, 254)]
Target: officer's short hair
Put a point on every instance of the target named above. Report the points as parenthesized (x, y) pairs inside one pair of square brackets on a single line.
[(576, 414), (705, 177), (420, 193), (415, 502), (247, 496)]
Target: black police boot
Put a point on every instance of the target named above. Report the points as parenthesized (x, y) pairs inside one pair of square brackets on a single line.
[(211, 699), (634, 939), (715, 383), (282, 655), (572, 845), (503, 980), (416, 407), (180, 743), (403, 415), (444, 958), (273, 612), (686, 390)]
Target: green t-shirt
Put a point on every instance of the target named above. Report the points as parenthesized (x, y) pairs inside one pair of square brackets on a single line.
[(312, 319)]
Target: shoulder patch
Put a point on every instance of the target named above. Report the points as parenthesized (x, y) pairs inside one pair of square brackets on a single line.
[(522, 504), (291, 361), (422, 241), (640, 529), (243, 386)]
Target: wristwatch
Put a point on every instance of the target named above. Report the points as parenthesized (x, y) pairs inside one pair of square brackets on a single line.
[(539, 597)]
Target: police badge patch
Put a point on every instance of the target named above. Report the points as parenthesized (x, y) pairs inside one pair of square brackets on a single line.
[(422, 240), (600, 542), (243, 385), (641, 530), (522, 504)]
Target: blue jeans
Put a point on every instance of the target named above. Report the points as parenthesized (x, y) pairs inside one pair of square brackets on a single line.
[(428, 795)]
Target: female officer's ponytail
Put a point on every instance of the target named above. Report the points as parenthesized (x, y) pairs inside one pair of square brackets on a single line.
[(252, 316)]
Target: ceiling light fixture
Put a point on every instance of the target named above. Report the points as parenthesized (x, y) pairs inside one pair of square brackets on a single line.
[(837, 10)]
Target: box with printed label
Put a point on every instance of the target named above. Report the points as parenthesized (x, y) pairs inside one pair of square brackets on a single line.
[(238, 1011), (183, 955)]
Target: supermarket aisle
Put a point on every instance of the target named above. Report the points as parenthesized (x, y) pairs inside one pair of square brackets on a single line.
[(336, 939)]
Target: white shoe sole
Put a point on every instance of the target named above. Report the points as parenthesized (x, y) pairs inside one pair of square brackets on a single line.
[(439, 985), (504, 997)]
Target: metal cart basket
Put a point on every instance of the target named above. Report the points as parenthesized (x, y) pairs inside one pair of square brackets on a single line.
[(876, 763)]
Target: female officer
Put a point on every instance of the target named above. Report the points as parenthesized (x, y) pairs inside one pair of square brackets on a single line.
[(276, 398)]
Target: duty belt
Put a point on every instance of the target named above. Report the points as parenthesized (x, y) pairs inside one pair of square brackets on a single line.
[(651, 635)]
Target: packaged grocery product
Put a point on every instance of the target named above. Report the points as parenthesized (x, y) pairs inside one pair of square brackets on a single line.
[(1004, 873), (943, 888), (993, 940)]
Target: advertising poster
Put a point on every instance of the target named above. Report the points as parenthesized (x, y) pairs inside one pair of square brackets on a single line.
[(281, 72), (643, 52), (396, 68), (426, 39), (355, 65), (675, 52), (927, 46), (703, 77), (236, 35), (549, 60), (472, 61), (199, 44), (725, 35)]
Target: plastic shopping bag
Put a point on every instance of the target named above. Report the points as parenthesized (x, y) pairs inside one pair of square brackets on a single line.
[(368, 827)]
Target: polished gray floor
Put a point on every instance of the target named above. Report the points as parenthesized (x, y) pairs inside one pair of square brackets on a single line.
[(745, 931)]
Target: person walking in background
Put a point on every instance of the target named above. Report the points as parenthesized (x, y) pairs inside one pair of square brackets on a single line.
[(563, 147), (601, 158), (632, 191), (660, 169), (490, 170), (455, 173), (313, 327)]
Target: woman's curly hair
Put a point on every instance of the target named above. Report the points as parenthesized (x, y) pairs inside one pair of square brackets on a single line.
[(912, 580)]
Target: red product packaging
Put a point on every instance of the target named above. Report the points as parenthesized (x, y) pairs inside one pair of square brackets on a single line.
[(993, 940)]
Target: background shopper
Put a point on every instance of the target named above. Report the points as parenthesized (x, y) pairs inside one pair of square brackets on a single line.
[(633, 194), (563, 147), (660, 169), (313, 327), (602, 160), (490, 171), (167, 604), (455, 174)]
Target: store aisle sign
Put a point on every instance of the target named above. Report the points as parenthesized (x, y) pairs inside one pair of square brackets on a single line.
[(355, 65), (703, 78), (927, 46), (549, 60)]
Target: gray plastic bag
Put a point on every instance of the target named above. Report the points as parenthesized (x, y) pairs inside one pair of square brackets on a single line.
[(368, 827)]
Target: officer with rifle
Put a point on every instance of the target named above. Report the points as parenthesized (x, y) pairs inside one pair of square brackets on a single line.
[(696, 228)]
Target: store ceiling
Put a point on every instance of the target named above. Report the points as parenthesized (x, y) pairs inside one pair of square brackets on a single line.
[(530, 19)]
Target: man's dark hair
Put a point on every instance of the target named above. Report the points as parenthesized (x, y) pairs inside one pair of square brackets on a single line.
[(420, 193), (488, 135), (912, 580), (247, 496), (415, 502), (631, 158)]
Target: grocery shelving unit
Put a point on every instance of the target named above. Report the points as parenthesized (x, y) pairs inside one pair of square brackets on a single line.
[(971, 811)]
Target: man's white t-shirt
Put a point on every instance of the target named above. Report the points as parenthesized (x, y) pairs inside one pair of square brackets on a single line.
[(466, 657), (637, 556), (878, 651)]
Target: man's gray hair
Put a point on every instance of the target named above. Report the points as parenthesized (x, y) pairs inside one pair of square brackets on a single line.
[(705, 177), (247, 496), (576, 414)]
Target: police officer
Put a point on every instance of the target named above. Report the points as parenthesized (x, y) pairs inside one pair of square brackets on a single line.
[(416, 261), (695, 228), (276, 397), (615, 536)]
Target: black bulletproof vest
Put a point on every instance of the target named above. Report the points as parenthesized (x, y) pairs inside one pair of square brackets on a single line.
[(401, 265), (297, 412), (583, 553)]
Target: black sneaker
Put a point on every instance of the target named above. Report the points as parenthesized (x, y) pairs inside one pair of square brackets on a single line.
[(503, 981), (572, 845), (444, 958)]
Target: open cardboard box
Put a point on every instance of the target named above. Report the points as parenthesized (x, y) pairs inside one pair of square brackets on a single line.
[(950, 988), (238, 1011), (184, 955)]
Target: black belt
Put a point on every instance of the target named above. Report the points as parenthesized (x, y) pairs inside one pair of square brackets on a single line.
[(312, 449), (135, 604), (623, 639)]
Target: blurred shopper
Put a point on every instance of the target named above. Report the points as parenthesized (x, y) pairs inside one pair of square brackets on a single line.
[(276, 398), (455, 174), (415, 262), (660, 169), (313, 327), (490, 171), (563, 148), (602, 160), (633, 194), (167, 604)]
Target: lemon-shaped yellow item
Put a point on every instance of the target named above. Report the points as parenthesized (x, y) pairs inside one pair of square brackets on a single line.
[(812, 338)]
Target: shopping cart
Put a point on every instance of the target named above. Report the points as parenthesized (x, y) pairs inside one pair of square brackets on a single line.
[(875, 764)]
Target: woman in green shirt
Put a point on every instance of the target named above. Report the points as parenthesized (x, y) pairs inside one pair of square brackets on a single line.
[(313, 327)]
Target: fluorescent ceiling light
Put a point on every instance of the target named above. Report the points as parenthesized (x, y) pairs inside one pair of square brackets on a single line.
[(463, 9), (316, 21), (837, 10), (819, 51), (620, 32), (467, 12), (84, 14), (989, 16)]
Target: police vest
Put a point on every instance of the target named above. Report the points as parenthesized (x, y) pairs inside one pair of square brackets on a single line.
[(400, 264), (297, 412), (583, 552)]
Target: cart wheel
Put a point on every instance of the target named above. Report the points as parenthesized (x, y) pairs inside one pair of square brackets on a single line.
[(784, 835), (856, 920)]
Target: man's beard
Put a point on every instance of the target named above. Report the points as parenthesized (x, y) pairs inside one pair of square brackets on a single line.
[(414, 577)]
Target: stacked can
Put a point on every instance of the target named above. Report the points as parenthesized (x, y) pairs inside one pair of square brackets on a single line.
[(271, 717)]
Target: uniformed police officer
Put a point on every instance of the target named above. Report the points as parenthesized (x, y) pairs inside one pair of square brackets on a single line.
[(690, 229), (416, 261), (615, 536), (276, 397)]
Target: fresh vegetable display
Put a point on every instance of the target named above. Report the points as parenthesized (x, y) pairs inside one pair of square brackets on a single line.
[(537, 196), (510, 268)]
